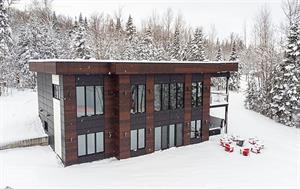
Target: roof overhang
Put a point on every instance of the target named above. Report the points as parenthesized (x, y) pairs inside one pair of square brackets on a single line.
[(65, 67)]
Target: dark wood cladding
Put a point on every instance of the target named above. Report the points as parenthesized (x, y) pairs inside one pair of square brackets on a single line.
[(123, 128), (110, 123), (180, 68), (187, 108), (149, 114), (70, 67), (205, 107), (70, 132)]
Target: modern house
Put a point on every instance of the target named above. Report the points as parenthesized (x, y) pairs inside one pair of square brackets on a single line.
[(99, 109)]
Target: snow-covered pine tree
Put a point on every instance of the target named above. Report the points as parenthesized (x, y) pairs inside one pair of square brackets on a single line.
[(251, 93), (25, 52), (219, 54), (130, 29), (297, 54), (146, 49), (36, 41), (80, 48), (196, 47), (235, 77), (6, 44), (175, 48), (285, 92)]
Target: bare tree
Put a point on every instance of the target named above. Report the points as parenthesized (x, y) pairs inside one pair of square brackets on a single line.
[(291, 9), (264, 44)]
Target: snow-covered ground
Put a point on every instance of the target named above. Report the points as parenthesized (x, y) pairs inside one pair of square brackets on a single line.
[(19, 116), (204, 165)]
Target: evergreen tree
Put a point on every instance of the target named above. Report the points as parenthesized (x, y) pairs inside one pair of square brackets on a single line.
[(285, 93), (195, 51), (118, 26), (146, 49), (80, 48), (36, 41), (175, 48), (219, 55), (251, 100), (6, 44), (235, 77), (130, 29)]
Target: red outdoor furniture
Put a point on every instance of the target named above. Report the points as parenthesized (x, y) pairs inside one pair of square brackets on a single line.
[(245, 151), (228, 148)]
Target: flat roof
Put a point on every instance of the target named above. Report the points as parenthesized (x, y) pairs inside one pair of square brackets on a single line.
[(126, 61), (81, 66)]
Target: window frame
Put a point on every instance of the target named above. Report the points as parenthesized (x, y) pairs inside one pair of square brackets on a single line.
[(56, 91), (194, 135), (136, 100), (176, 143), (94, 100), (95, 144), (137, 131), (161, 104), (199, 90)]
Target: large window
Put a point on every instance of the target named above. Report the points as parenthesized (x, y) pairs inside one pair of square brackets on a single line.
[(138, 99), (89, 100), (195, 129), (168, 136), (90, 143), (168, 96), (196, 94), (137, 139)]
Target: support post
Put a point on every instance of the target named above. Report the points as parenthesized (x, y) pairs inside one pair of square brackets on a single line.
[(226, 108)]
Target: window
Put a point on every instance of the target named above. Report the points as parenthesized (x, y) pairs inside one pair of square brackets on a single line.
[(99, 142), (168, 136), (90, 143), (171, 136), (179, 133), (137, 139), (80, 98), (168, 96), (165, 96), (195, 129), (141, 98), (157, 138), (99, 99), (55, 91), (81, 145), (173, 96), (157, 97), (89, 100), (90, 110), (196, 94), (180, 95), (138, 99)]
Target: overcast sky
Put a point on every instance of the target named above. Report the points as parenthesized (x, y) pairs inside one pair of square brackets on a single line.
[(227, 15)]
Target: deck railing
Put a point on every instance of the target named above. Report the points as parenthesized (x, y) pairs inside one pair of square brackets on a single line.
[(218, 98)]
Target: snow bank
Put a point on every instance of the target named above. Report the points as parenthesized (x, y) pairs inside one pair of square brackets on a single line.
[(19, 117)]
